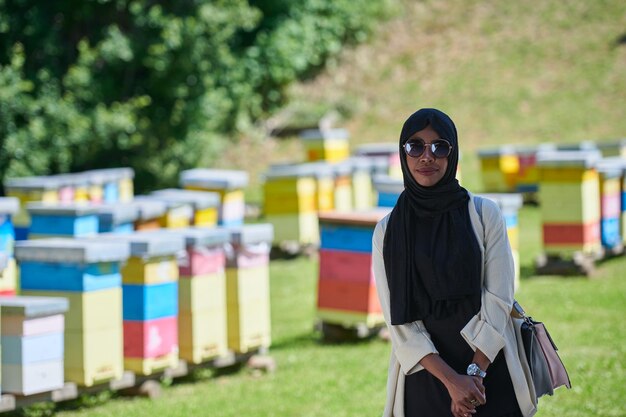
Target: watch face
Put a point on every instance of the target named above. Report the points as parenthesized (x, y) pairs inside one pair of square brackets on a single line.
[(472, 369)]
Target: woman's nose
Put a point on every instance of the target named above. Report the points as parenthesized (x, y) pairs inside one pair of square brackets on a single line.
[(428, 154)]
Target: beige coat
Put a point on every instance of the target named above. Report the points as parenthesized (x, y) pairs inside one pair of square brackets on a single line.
[(490, 330)]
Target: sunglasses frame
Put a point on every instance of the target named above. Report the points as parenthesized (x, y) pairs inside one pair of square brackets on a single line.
[(432, 150)]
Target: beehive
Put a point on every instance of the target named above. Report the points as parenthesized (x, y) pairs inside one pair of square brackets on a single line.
[(387, 156), (116, 184), (32, 344), (248, 287), (611, 178), (150, 213), (177, 214), (27, 190), (569, 192), (329, 145), (346, 287), (150, 301), (499, 168), (290, 203), (388, 190), (510, 205), (62, 220), (117, 218), (202, 333), (86, 272), (362, 188), (229, 184), (205, 204)]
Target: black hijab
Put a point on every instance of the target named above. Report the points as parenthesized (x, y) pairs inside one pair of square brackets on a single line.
[(431, 255)]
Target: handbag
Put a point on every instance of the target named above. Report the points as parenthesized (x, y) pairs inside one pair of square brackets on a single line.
[(546, 367)]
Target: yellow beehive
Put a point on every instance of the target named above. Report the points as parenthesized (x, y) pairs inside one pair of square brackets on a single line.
[(205, 204), (31, 189), (202, 335), (569, 192), (328, 145), (362, 189), (153, 270), (8, 277), (248, 288), (342, 194), (94, 356), (148, 366), (499, 169)]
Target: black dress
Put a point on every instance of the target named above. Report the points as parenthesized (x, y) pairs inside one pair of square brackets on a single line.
[(426, 396)]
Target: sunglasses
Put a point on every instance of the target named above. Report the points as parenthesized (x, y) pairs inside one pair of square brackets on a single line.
[(440, 148)]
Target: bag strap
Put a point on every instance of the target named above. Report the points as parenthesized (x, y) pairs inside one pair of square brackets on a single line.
[(516, 311)]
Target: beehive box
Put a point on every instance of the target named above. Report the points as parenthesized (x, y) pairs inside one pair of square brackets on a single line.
[(346, 288), (248, 287), (202, 295), (9, 207), (510, 205), (117, 218), (62, 220), (388, 190), (527, 181), (611, 178), (499, 168), (362, 189), (290, 203), (229, 184), (569, 192), (150, 213), (329, 145), (150, 300), (177, 214), (386, 153), (116, 183), (27, 190), (205, 204), (93, 331)]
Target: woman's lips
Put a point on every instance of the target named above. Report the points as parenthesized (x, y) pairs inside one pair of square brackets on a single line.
[(426, 171)]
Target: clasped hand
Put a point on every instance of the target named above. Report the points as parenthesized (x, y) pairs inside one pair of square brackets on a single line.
[(467, 392)]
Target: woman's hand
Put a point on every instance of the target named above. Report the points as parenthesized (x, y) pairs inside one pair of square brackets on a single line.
[(466, 392)]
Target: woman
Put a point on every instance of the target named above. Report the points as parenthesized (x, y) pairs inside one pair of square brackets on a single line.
[(444, 274)]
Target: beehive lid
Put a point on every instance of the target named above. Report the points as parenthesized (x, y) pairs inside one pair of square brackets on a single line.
[(386, 183), (531, 150), (197, 236), (506, 150), (183, 208), (32, 183), (198, 199), (73, 180), (377, 149), (118, 213), (317, 134), (581, 146), (611, 166), (71, 250), (577, 159), (214, 178), (360, 163), (356, 218), (148, 244), (9, 205), (341, 168), (248, 234), (61, 209), (149, 209), (290, 170), (32, 307), (506, 201)]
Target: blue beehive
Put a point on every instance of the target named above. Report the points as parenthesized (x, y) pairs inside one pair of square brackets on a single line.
[(388, 189), (62, 220)]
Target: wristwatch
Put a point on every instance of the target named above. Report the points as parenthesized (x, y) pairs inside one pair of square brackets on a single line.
[(474, 370)]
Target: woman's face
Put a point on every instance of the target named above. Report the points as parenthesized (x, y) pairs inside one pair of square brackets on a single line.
[(426, 169)]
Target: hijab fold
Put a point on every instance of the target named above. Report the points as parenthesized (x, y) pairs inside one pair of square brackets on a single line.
[(432, 258)]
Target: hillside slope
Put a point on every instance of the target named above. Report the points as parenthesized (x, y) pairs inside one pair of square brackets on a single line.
[(507, 72)]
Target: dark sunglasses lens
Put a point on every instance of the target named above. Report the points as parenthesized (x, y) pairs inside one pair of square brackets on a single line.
[(441, 149), (414, 148)]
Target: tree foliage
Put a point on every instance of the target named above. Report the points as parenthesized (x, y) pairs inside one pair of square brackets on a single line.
[(154, 85)]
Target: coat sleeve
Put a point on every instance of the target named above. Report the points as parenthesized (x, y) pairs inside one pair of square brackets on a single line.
[(411, 341), (485, 331)]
